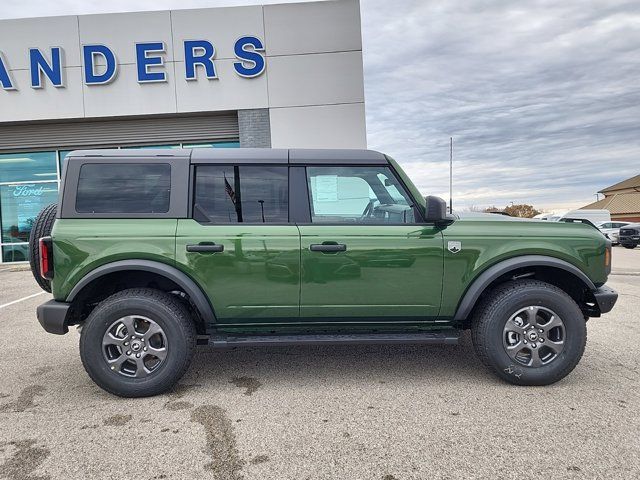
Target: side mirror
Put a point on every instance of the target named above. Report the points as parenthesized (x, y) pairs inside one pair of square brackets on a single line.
[(436, 212)]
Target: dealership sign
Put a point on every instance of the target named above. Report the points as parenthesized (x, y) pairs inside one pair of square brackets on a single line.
[(100, 65)]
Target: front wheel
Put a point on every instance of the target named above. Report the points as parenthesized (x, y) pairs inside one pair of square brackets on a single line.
[(630, 245), (138, 342), (529, 332)]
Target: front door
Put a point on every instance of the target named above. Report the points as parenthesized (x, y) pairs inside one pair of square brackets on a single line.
[(239, 245), (366, 256)]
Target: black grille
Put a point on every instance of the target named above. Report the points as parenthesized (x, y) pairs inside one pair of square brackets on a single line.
[(628, 231)]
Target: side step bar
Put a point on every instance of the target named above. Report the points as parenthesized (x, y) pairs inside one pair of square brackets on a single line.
[(442, 337)]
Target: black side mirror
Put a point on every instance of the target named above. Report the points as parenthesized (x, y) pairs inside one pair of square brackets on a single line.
[(436, 212)]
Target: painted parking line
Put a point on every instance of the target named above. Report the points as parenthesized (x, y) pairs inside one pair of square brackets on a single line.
[(22, 299)]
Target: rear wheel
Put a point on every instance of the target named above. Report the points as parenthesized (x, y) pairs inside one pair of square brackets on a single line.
[(529, 332), (42, 227), (138, 342)]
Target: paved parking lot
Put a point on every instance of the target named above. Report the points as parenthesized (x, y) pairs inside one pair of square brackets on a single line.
[(321, 413)]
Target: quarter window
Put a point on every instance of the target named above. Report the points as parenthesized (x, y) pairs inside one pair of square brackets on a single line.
[(358, 195), (237, 194), (124, 188)]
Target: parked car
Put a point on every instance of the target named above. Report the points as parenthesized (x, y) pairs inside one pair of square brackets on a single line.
[(630, 235), (594, 216), (611, 230), (150, 252)]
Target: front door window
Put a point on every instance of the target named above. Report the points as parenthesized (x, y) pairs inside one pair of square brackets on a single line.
[(358, 195)]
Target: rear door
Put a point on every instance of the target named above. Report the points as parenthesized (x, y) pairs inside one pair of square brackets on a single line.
[(239, 245), (366, 255)]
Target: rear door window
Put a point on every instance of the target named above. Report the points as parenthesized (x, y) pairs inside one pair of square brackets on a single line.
[(241, 194), (124, 188)]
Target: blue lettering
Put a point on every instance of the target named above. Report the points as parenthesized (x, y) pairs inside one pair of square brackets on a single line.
[(199, 52), (40, 66), (90, 52), (5, 78), (252, 57), (146, 61)]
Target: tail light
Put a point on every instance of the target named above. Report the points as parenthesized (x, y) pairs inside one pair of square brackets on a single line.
[(607, 258), (46, 258)]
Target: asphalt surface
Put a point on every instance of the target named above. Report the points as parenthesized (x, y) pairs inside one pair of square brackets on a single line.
[(371, 412)]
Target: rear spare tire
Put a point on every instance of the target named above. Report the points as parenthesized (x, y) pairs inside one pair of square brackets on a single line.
[(41, 228)]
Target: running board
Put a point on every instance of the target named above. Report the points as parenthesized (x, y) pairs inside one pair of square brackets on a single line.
[(441, 337)]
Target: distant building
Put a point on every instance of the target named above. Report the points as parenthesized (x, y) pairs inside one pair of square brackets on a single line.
[(621, 199)]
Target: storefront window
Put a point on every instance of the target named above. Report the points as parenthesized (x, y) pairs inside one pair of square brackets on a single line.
[(26, 167), (15, 253), (213, 145), (20, 205), (153, 146)]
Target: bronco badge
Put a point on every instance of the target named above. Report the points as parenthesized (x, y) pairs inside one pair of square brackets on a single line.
[(454, 247)]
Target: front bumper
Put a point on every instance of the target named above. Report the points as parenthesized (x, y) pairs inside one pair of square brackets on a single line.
[(53, 315), (606, 298)]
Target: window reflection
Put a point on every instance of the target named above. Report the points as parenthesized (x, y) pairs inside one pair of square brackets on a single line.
[(21, 204), (27, 167)]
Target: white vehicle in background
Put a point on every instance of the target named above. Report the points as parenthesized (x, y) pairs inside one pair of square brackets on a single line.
[(593, 216), (611, 230)]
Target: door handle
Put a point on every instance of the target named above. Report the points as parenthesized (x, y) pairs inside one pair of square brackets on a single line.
[(205, 248), (328, 247)]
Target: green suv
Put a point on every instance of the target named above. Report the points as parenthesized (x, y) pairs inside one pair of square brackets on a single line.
[(152, 252)]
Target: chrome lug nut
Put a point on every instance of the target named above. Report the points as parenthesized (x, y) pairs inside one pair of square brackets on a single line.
[(541, 340), (145, 349), (137, 355), (129, 352), (541, 331), (126, 343), (533, 345)]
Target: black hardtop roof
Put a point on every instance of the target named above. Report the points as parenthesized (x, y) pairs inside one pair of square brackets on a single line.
[(243, 155)]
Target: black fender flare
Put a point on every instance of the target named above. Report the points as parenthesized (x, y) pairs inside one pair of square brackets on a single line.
[(190, 287), (492, 273)]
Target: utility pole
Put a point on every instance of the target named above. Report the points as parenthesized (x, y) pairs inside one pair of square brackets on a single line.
[(450, 174)]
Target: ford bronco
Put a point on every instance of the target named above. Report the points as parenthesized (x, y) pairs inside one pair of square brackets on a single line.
[(152, 252)]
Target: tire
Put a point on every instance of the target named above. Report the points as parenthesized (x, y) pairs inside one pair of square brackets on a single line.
[(163, 309), (41, 228), (491, 339), (629, 245)]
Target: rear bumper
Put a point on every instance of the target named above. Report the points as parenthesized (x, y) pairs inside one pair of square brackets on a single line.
[(606, 298), (52, 316)]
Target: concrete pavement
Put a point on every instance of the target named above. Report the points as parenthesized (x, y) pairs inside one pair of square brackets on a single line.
[(370, 412)]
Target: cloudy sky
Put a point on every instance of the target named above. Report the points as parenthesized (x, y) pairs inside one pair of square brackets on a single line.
[(542, 98)]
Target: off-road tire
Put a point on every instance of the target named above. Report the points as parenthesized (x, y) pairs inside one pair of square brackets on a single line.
[(500, 304), (41, 228), (168, 312)]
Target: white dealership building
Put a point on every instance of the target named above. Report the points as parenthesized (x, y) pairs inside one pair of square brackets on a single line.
[(286, 75)]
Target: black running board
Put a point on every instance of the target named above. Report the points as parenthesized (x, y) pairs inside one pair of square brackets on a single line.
[(441, 337)]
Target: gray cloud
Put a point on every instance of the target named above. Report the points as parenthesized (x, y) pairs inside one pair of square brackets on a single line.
[(541, 97)]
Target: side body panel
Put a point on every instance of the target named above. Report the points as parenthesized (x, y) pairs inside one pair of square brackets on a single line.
[(487, 242), (256, 278), (388, 273), (81, 245)]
